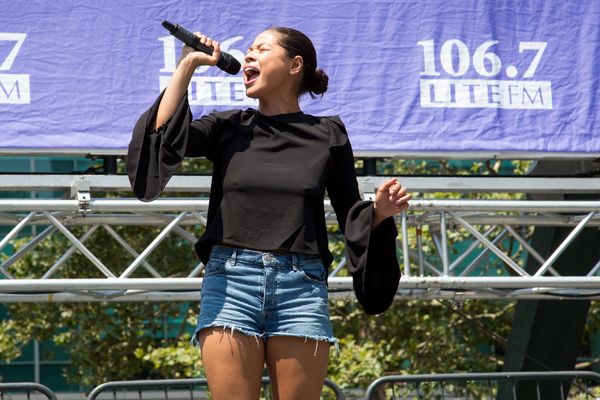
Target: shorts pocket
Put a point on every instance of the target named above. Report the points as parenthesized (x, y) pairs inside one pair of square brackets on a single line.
[(313, 273)]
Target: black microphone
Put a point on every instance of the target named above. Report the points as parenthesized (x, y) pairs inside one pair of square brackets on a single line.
[(227, 62)]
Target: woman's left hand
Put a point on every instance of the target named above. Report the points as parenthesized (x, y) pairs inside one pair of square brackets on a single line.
[(391, 199)]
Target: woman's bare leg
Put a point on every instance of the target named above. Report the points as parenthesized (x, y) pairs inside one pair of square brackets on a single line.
[(233, 364), (296, 373)]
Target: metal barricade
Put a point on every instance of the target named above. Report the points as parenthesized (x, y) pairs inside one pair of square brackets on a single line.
[(497, 385), (27, 388), (189, 384)]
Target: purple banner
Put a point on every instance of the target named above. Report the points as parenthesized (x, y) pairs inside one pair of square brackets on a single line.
[(406, 77)]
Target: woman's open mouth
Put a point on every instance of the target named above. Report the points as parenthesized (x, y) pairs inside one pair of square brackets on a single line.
[(251, 74)]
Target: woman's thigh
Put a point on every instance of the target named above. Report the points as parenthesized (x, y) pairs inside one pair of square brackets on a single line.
[(297, 367), (233, 363)]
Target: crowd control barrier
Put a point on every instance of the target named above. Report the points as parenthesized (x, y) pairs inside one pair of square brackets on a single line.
[(26, 387), (498, 385), (116, 388)]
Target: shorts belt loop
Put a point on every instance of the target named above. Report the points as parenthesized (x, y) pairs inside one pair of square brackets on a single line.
[(295, 262), (234, 256)]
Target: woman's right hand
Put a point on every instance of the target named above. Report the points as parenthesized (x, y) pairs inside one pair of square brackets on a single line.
[(198, 58), (189, 60)]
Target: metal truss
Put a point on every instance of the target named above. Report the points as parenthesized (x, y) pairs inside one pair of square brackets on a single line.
[(485, 224)]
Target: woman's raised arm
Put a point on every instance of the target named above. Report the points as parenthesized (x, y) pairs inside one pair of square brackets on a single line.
[(189, 60)]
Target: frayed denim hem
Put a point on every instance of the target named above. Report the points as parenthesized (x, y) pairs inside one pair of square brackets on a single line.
[(233, 328), (331, 340)]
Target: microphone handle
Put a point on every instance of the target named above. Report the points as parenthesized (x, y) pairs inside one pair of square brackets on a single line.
[(190, 39), (226, 62)]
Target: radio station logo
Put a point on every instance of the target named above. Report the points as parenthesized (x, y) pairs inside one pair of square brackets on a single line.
[(14, 88), (208, 90), (456, 92)]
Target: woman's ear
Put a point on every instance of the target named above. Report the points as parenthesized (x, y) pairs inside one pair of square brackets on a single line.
[(296, 65)]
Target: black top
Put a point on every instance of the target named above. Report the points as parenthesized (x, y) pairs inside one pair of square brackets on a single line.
[(270, 174)]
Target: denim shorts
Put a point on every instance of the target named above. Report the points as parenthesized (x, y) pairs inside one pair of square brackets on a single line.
[(265, 294)]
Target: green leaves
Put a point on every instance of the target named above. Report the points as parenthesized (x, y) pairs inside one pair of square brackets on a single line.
[(180, 360), (416, 337), (101, 339)]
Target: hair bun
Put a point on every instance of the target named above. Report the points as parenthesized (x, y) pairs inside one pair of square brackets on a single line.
[(296, 43), (319, 83)]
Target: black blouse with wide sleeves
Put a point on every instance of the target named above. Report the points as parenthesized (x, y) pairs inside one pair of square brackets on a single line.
[(155, 155)]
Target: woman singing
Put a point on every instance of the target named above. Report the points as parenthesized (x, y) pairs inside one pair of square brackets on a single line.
[(264, 294)]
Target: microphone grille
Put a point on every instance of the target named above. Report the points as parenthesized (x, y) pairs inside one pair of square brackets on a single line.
[(229, 64)]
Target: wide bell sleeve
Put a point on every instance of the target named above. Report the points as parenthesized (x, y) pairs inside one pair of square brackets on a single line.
[(370, 255), (154, 155)]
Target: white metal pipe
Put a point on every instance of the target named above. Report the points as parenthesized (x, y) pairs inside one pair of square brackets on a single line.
[(25, 249), (182, 204), (11, 217), (185, 234), (468, 251), (36, 361), (453, 184), (338, 268), (200, 218), (126, 206), (16, 230), (444, 244), (530, 249), (437, 245), (104, 205), (594, 270), (196, 271), (420, 250), (500, 282), (403, 294), (484, 253), (6, 274), (557, 216), (440, 282), (564, 244), (489, 244), (79, 245), (201, 204), (152, 246), (10, 205), (166, 218), (128, 296), (68, 253), (503, 205), (405, 254), (414, 255), (423, 217), (512, 220), (140, 220), (130, 250), (526, 245)]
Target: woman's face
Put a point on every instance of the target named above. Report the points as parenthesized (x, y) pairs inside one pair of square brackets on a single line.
[(268, 71)]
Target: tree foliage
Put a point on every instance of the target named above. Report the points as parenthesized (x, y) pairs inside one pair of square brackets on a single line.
[(104, 340), (417, 337)]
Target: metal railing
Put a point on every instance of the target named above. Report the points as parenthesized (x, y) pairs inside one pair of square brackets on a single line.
[(563, 385), (497, 385), (190, 384), (27, 388), (485, 225)]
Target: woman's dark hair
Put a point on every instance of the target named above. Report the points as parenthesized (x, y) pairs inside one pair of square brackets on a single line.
[(295, 43)]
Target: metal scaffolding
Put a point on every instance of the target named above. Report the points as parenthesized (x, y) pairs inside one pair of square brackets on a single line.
[(485, 224)]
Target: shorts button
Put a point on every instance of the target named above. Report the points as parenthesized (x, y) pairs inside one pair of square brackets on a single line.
[(268, 257)]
